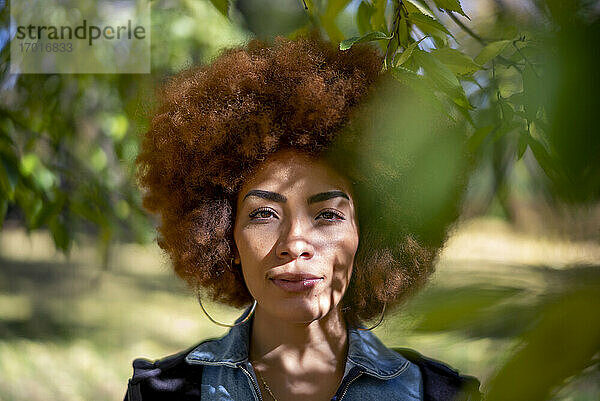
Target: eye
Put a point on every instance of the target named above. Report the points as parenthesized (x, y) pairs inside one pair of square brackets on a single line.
[(262, 214), (330, 215)]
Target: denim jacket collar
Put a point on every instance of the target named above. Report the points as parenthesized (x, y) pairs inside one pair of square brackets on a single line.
[(365, 351), (228, 350)]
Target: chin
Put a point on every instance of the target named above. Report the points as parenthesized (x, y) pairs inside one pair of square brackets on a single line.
[(301, 310)]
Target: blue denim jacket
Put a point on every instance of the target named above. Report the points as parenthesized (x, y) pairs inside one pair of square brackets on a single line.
[(372, 371), (219, 370)]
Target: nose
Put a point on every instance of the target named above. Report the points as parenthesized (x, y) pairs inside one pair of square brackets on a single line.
[(295, 242)]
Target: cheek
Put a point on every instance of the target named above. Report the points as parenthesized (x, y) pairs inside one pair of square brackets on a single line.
[(253, 246), (344, 250), (343, 244), (254, 243)]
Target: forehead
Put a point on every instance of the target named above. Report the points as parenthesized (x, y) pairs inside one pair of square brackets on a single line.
[(289, 170)]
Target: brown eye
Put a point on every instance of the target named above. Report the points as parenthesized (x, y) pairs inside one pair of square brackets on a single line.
[(331, 215), (264, 213)]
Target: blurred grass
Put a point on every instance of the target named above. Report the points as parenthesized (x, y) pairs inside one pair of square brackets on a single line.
[(69, 331)]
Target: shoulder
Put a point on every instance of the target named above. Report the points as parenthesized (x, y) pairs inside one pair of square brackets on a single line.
[(440, 381), (168, 378)]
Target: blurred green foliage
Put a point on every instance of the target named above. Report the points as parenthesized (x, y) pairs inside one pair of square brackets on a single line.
[(525, 84), (68, 142)]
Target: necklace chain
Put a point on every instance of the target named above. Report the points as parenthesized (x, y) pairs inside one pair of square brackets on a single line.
[(266, 385)]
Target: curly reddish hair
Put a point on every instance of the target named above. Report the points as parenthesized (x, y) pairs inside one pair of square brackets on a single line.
[(215, 123)]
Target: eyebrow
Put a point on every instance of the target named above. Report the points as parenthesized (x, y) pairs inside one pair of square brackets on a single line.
[(275, 197)]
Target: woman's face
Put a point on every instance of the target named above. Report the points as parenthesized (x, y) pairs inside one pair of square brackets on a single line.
[(296, 234)]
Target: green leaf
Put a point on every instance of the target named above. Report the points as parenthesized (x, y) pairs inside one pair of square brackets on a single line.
[(508, 113), (116, 126), (60, 234), (543, 157), (506, 128), (418, 6), (363, 17), (390, 52), (330, 26), (516, 98), (222, 6), (429, 26), (475, 140), (334, 7), (7, 129), (472, 80), (328, 19), (522, 146), (404, 75), (29, 162), (31, 204), (404, 33), (9, 175), (371, 36), (49, 210), (533, 93), (458, 62), (405, 55), (450, 5), (418, 84), (465, 113), (565, 325), (443, 78), (491, 50), (378, 21), (302, 31), (463, 306)]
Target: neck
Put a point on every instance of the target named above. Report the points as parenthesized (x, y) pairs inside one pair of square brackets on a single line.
[(294, 346)]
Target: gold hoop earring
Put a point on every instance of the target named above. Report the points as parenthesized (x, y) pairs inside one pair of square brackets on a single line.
[(225, 324), (378, 323)]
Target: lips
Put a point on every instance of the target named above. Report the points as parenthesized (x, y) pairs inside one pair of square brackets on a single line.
[(295, 282)]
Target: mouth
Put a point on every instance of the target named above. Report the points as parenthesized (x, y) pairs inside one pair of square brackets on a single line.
[(296, 282)]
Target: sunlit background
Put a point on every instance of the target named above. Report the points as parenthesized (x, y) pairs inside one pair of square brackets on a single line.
[(84, 289)]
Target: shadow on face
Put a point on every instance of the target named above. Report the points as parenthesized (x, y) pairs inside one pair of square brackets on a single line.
[(296, 234)]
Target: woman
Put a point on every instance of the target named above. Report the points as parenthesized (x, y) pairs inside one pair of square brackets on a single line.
[(251, 163)]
